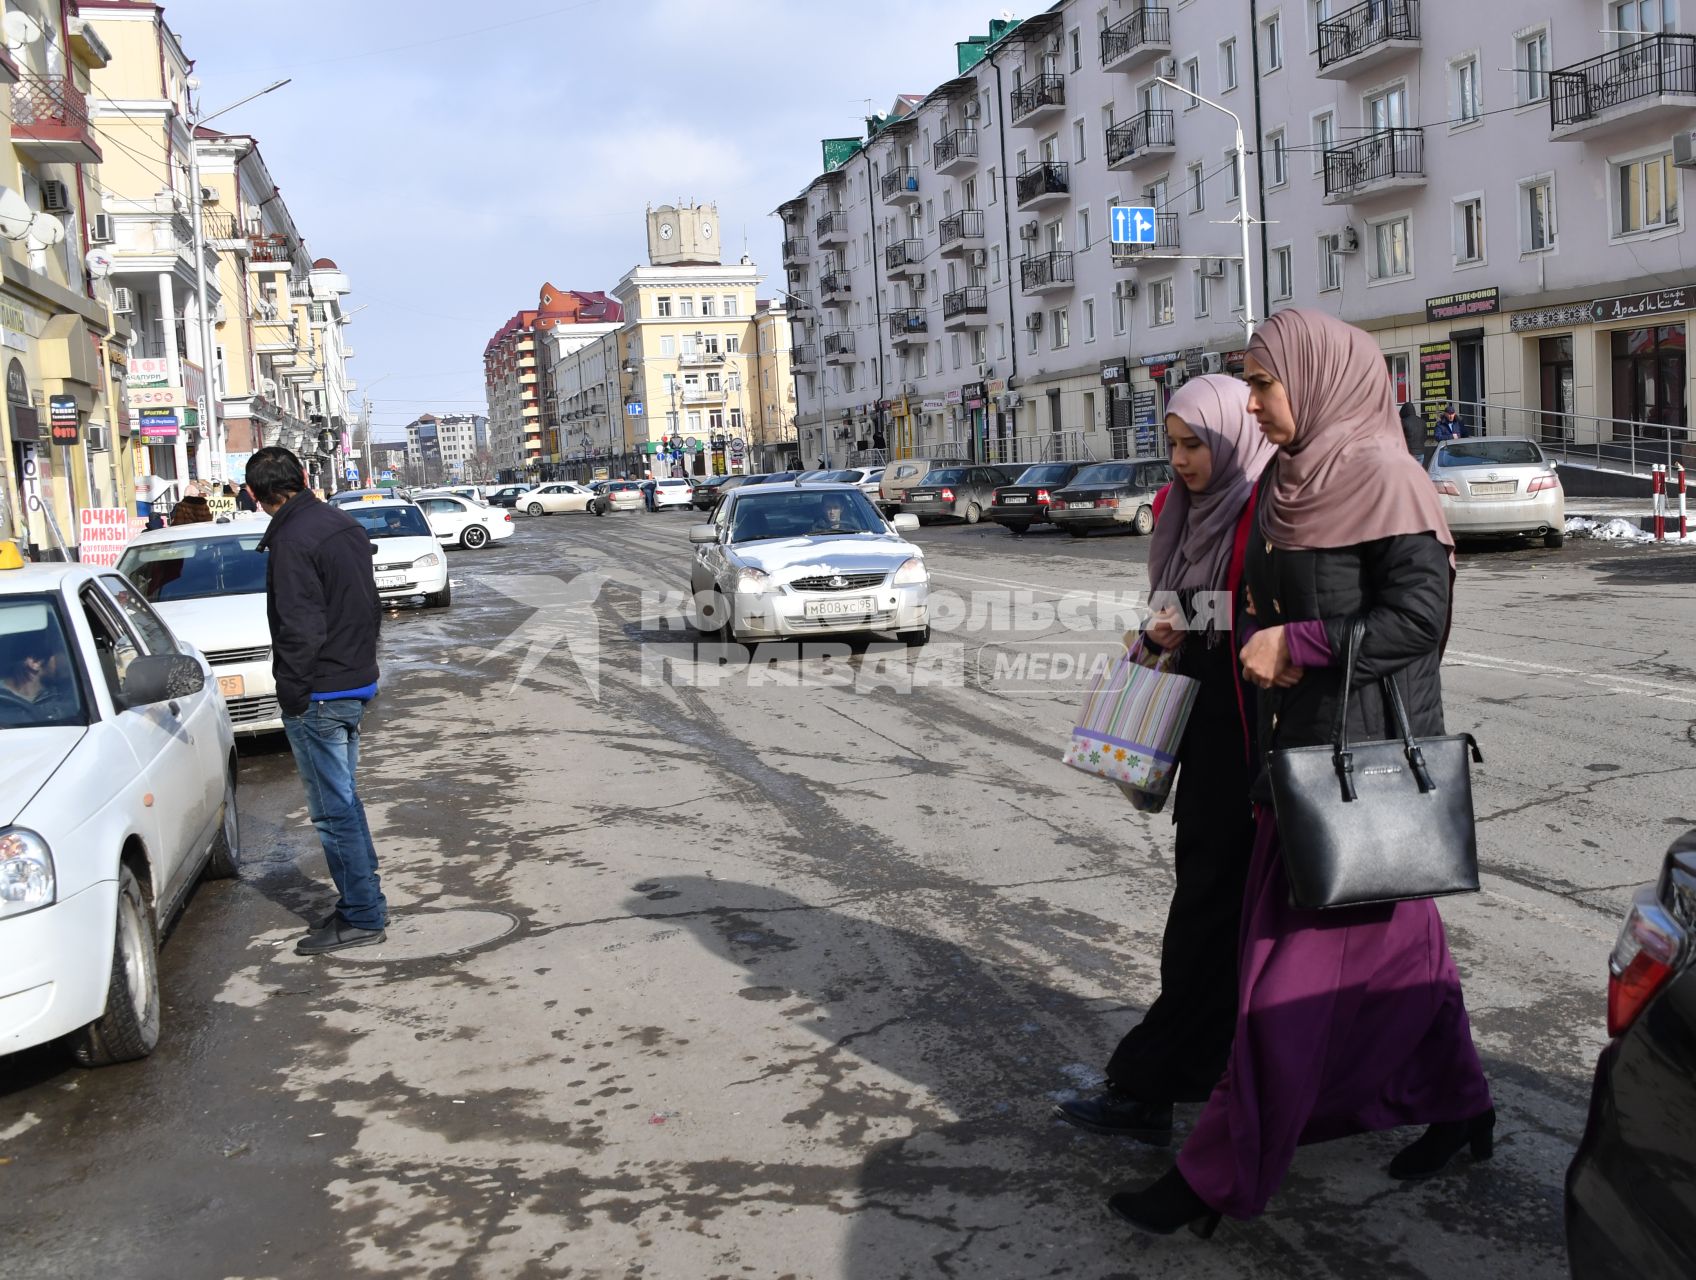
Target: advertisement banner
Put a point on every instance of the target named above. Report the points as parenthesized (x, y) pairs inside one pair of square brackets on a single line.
[(156, 397), (1458, 306), (105, 532), (1434, 379), (147, 371), (62, 417)]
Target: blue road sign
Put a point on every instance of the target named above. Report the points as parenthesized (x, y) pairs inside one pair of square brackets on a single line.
[(1133, 224)]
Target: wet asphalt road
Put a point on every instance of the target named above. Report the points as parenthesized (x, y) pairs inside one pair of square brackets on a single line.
[(776, 972)]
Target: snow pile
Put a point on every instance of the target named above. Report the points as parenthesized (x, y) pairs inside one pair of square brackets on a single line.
[(1615, 530)]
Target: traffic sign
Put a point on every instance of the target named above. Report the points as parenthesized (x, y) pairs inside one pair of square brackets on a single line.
[(1133, 224)]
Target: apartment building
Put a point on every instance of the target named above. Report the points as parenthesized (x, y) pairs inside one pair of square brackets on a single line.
[(449, 448), (1494, 193), (775, 444)]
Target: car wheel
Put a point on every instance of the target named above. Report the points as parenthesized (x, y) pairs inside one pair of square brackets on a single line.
[(974, 513), (225, 860), (1143, 524), (1019, 528), (1554, 539), (535, 508), (440, 599), (474, 536), (913, 639), (129, 1029), (1078, 533)]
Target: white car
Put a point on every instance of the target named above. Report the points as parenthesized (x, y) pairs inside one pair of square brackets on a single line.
[(120, 793), (408, 561), (460, 522), (555, 496), (789, 561), (675, 493), (208, 582)]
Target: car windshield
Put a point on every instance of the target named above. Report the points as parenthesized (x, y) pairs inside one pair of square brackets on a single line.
[(1103, 473), (38, 681), (1490, 453), (194, 568), (1044, 475), (803, 514), (841, 477), (945, 475), (391, 522)]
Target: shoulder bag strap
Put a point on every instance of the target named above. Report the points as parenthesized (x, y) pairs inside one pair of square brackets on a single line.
[(1341, 757)]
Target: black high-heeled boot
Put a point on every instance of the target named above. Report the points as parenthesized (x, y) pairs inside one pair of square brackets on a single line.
[(1165, 1206), (1443, 1142)]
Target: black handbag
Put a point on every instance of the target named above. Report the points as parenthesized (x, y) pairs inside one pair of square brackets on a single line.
[(1375, 822)]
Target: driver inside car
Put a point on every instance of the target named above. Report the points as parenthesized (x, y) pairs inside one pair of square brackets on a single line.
[(31, 672)]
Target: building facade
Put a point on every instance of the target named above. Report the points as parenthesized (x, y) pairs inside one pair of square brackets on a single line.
[(451, 448), (1513, 237)]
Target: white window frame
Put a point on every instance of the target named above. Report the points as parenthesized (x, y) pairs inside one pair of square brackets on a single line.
[(1087, 315), (1233, 190), (1059, 329), (1329, 280), (1278, 147), (1192, 81), (1228, 65), (1282, 268), (1079, 129), (1373, 228), (1458, 217), (1272, 42), (1546, 179), (1158, 291), (1616, 223), (1329, 115), (1203, 293), (1085, 231), (1458, 66), (1526, 80), (1197, 174)]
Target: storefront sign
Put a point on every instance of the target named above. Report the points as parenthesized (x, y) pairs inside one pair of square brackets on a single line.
[(1142, 407), (149, 371), (1165, 357), (931, 404), (62, 419), (220, 505), (159, 425), (1553, 318), (25, 424), (1631, 305), (156, 397), (105, 532), (1111, 373), (1434, 380), (12, 316), (996, 386), (1457, 306)]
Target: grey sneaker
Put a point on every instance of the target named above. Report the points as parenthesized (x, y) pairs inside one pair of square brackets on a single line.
[(336, 934)]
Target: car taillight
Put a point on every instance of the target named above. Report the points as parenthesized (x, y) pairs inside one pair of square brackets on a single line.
[(1042, 497), (1107, 502), (1540, 483), (994, 497), (507, 517), (1649, 946), (1449, 487), (948, 495)]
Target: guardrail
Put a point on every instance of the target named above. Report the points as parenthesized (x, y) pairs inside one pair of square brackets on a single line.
[(1611, 443)]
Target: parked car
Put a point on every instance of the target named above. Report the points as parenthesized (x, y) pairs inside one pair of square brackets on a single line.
[(775, 477), (902, 475), (507, 495), (408, 561), (619, 495), (208, 582), (673, 493), (347, 496), (1631, 1189), (1110, 495), (807, 477), (555, 496), (1498, 486), (1024, 502), (788, 561), (712, 488), (460, 522), (870, 482), (956, 492), (120, 794)]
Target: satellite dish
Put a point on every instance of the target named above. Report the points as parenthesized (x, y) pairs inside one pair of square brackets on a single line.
[(99, 264), (21, 30), (15, 214), (46, 231)]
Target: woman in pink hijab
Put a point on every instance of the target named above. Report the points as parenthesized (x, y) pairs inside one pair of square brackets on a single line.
[(1349, 1019)]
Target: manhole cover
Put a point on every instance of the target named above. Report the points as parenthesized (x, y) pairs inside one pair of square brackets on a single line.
[(421, 935)]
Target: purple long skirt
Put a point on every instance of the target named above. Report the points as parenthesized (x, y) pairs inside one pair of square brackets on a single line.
[(1347, 1021)]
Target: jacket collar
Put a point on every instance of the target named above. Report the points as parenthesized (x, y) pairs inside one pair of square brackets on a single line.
[(304, 498)]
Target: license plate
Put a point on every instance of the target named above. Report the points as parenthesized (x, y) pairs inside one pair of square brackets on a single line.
[(1080, 506), (391, 580), (1013, 502), (1500, 486), (838, 608), (232, 686)]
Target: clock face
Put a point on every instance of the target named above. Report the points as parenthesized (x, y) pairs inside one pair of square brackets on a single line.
[(706, 231), (665, 231)]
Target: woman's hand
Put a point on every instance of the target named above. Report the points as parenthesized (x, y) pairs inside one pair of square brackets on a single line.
[(1266, 660), (1163, 630)]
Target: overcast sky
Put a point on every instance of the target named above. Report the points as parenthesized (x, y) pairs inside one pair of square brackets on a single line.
[(453, 156)]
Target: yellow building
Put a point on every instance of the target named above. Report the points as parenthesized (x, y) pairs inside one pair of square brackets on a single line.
[(775, 440)]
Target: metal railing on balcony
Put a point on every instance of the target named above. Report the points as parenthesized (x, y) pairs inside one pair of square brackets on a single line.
[(835, 282), (972, 300), (1647, 68), (840, 343), (1141, 27), (1040, 92), (1150, 128), (1378, 157), (960, 144), (806, 353), (1355, 31), (797, 249), (1165, 239), (833, 223), (270, 248), (908, 322), (967, 224), (1040, 270), (902, 179), (1045, 177), (55, 100), (904, 253)]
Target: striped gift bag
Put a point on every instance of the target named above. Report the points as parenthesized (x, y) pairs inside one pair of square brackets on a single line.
[(1131, 725)]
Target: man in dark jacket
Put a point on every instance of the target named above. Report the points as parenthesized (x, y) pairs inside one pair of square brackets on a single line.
[(1413, 428), (321, 599)]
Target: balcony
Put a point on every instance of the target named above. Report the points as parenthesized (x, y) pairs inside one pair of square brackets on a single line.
[(50, 121), (904, 258), (966, 308), (1139, 39), (839, 347), (1389, 160), (702, 395), (1165, 242), (1650, 81), (960, 232), (901, 186), (957, 152), (800, 300), (1046, 272), (1045, 182), (1042, 99), (796, 251), (831, 229), (1146, 134), (908, 324), (1367, 36), (835, 287), (700, 358), (804, 358)]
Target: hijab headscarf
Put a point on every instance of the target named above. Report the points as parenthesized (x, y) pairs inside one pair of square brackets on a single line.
[(1193, 541), (1347, 477)]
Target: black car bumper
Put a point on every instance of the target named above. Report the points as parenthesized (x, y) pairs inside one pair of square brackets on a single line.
[(1021, 514)]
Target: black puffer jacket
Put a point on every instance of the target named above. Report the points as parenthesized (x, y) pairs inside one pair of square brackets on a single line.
[(1400, 586)]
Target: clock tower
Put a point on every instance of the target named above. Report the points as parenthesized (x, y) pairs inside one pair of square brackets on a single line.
[(684, 235)]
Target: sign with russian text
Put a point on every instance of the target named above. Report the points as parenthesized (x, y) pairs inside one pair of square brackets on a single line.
[(1459, 306), (149, 371), (105, 533), (1434, 380), (1631, 305), (62, 417)]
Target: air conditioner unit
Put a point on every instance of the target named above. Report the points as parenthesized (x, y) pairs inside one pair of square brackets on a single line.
[(1174, 377), (96, 439), (101, 231), (1122, 391), (1033, 322), (1213, 268), (1212, 362), (972, 109), (123, 301), (1029, 231), (909, 388), (1125, 289), (1009, 400), (980, 258), (208, 195), (1684, 149), (1350, 241), (219, 315), (1169, 68), (55, 197)]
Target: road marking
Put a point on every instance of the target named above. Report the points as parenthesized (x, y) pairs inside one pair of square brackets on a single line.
[(1612, 683)]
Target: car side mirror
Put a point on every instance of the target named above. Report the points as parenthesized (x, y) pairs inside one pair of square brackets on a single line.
[(904, 521), (699, 533), (373, 548), (159, 677)]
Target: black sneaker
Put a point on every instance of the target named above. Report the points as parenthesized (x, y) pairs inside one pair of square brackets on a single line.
[(336, 934), (1121, 1116)]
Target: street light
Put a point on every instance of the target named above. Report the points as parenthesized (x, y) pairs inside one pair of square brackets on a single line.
[(1242, 218)]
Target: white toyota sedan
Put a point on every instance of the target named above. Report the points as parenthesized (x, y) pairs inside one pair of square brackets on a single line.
[(120, 793), (789, 561), (555, 496), (457, 521)]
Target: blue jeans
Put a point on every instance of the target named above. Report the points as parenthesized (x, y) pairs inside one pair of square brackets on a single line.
[(325, 741)]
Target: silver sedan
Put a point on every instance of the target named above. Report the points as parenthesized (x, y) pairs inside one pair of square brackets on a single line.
[(1499, 486)]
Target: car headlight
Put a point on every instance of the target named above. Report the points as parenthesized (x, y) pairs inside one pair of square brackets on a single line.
[(428, 561), (752, 581), (912, 573), (26, 872)]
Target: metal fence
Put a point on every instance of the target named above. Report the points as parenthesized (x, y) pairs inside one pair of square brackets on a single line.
[(1658, 64), (1616, 444)]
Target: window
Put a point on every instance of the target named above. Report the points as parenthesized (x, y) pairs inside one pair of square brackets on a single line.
[(662, 305), (668, 345), (1283, 282), (1198, 195), (1235, 270), (732, 345), (1324, 138), (1060, 325), (1000, 342), (1192, 82), (1228, 64), (1387, 110), (1272, 42), (1634, 19), (1399, 365), (995, 264), (1203, 291), (1075, 42), (1077, 141), (1031, 339), (1390, 257), (1089, 319), (1160, 302), (1233, 178), (1646, 193), (1537, 214), (1084, 240), (1531, 64), (686, 307), (1279, 154), (709, 305), (994, 188), (980, 347), (1469, 230), (731, 306), (1121, 311), (1330, 265), (1465, 107), (954, 349)]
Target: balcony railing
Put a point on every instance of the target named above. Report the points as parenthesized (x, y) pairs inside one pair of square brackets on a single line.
[(901, 183), (1145, 130), (50, 104), (1044, 270), (840, 343), (1645, 69), (797, 249), (1366, 27), (1378, 158), (967, 224), (834, 223), (1165, 238), (270, 248), (1147, 31), (800, 299), (837, 282), (972, 300), (1045, 177), (1041, 94), (960, 144), (903, 254), (907, 322), (805, 354)]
